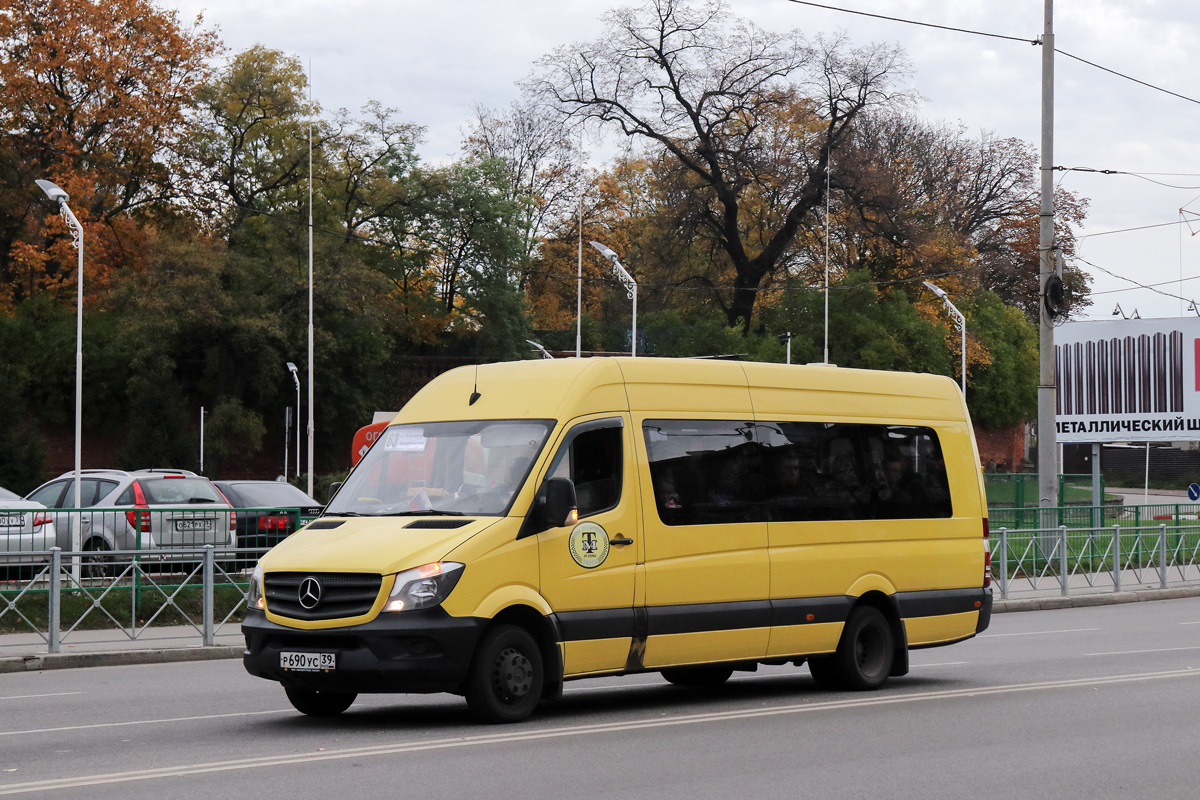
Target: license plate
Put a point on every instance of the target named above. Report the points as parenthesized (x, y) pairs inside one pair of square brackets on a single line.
[(185, 525), (308, 662), (12, 520)]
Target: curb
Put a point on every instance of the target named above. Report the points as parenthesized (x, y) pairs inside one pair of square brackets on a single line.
[(117, 658), (1088, 600)]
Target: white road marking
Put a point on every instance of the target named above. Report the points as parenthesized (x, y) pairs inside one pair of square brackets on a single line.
[(35, 696), (142, 722), (941, 664), (524, 735), (1034, 633), (1135, 652)]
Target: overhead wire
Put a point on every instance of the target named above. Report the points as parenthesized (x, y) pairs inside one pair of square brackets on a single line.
[(915, 22), (1137, 285), (991, 35), (1141, 175)]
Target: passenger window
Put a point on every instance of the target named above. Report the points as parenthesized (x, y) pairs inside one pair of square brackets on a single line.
[(50, 495), (92, 490), (593, 461), (830, 471), (704, 471)]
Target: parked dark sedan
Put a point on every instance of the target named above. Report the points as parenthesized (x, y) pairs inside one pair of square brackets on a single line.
[(267, 510)]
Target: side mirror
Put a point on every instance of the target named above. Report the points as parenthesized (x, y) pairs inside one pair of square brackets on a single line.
[(333, 487), (556, 505)]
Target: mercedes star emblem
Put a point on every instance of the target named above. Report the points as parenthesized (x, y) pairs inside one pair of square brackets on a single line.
[(310, 593)]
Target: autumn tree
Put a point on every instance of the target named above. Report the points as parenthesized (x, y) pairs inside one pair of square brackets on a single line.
[(96, 96), (540, 161), (471, 237), (953, 207), (701, 83)]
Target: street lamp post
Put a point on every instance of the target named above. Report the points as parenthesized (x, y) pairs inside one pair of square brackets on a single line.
[(296, 377), (630, 286), (59, 196), (962, 326)]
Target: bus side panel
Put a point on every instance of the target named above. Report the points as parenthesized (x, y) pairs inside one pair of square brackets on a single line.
[(701, 647), (943, 628), (825, 559), (593, 655), (813, 639)]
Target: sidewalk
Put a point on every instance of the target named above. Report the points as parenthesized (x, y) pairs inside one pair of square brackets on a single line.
[(22, 652)]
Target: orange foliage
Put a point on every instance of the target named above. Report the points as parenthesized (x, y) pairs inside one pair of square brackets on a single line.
[(94, 94)]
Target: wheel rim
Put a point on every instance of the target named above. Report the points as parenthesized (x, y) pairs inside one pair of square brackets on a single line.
[(98, 566), (868, 651), (512, 675)]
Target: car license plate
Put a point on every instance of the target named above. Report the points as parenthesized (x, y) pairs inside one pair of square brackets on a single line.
[(308, 662), (12, 520), (185, 525)]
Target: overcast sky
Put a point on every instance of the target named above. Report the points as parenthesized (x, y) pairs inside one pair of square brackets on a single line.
[(434, 61)]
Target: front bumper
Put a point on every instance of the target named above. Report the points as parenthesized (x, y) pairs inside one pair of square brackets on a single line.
[(411, 651)]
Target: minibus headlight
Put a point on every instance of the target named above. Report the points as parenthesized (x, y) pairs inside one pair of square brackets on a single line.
[(255, 598), (424, 586)]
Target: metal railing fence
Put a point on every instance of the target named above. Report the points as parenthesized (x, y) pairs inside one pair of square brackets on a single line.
[(124, 590), (1115, 558), (136, 568)]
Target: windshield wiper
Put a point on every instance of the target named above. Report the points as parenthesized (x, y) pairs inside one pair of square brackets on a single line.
[(433, 512)]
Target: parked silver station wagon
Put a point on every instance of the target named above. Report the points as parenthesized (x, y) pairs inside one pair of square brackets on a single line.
[(148, 510)]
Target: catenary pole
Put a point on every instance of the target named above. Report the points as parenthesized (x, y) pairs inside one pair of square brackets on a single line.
[(579, 272), (311, 432), (1047, 449)]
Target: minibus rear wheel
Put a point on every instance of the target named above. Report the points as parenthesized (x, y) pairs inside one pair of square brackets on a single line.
[(863, 659), (697, 676), (318, 704), (506, 678)]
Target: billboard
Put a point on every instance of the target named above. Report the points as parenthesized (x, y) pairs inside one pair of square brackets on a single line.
[(1132, 380)]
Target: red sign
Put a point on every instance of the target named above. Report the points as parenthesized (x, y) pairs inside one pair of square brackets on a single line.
[(363, 440)]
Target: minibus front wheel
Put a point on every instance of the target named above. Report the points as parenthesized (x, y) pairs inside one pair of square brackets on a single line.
[(506, 678)]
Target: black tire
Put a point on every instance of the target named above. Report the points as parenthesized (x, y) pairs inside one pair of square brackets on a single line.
[(506, 678), (825, 672), (697, 676), (319, 704), (97, 566), (863, 659)]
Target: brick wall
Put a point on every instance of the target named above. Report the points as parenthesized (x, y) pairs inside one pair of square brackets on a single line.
[(1004, 448)]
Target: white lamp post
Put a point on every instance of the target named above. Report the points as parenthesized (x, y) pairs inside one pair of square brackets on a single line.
[(961, 321), (296, 377), (59, 196), (630, 286)]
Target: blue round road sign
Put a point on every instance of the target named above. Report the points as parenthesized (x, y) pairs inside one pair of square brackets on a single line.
[(1194, 492)]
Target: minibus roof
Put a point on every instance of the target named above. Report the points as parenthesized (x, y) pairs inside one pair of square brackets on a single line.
[(567, 388)]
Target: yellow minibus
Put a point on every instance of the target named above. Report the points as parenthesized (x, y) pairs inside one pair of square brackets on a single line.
[(523, 524)]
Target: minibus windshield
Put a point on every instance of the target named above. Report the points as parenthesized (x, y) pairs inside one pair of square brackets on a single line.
[(456, 468)]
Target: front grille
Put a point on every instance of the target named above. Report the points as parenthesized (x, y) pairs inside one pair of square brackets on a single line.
[(342, 594), (445, 524)]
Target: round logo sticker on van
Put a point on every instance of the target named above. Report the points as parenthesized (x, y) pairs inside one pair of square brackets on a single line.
[(589, 545)]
